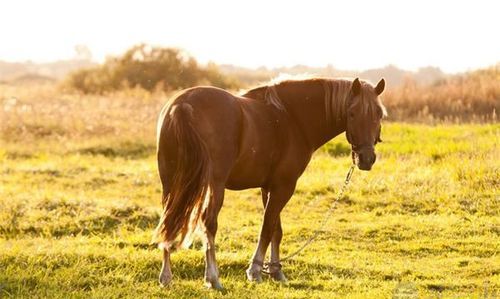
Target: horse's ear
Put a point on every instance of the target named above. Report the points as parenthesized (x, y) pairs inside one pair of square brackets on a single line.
[(380, 86), (356, 87)]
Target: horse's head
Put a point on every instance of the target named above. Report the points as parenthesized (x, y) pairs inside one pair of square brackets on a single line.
[(364, 115)]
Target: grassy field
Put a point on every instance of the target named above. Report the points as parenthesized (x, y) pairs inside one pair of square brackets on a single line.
[(80, 196), (76, 219)]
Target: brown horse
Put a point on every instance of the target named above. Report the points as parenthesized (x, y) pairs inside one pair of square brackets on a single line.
[(209, 140)]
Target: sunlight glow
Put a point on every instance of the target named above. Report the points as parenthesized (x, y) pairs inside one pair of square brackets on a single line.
[(454, 35)]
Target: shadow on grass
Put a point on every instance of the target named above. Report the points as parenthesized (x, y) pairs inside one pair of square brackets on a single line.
[(75, 218), (129, 150)]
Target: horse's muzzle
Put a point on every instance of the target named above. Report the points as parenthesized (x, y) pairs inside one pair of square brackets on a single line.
[(364, 157)]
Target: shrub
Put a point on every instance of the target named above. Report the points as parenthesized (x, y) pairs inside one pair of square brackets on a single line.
[(149, 68), (474, 96)]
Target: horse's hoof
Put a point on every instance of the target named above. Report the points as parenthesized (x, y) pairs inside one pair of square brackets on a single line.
[(214, 285), (254, 276), (165, 280), (278, 276)]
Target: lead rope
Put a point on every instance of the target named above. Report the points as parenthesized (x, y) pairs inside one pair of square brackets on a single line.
[(316, 233)]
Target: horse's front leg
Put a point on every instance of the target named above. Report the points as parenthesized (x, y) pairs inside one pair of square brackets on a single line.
[(275, 270), (278, 197)]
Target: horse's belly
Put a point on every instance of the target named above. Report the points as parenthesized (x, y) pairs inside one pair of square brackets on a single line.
[(240, 183), (234, 185), (250, 171)]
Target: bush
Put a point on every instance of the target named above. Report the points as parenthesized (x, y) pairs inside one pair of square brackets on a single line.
[(474, 96), (149, 68)]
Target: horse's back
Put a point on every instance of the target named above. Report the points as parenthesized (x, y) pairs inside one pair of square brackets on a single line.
[(243, 135)]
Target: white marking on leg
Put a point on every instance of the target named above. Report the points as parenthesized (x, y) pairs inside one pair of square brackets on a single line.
[(254, 271), (166, 272), (211, 271)]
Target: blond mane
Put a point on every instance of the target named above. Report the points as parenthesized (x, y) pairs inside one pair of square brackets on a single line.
[(271, 95), (272, 98), (336, 92)]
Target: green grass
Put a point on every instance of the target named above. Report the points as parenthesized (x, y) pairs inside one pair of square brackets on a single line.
[(76, 219)]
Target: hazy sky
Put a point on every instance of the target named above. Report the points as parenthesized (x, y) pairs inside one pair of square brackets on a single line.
[(454, 35)]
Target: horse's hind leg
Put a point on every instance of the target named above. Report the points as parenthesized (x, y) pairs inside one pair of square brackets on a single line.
[(275, 270), (166, 276), (209, 221), (166, 271)]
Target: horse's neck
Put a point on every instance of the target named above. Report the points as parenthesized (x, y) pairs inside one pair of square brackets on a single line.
[(305, 102)]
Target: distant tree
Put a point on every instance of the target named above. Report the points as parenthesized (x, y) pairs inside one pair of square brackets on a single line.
[(150, 68)]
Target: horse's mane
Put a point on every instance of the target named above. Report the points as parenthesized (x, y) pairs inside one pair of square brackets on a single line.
[(336, 92), (267, 91)]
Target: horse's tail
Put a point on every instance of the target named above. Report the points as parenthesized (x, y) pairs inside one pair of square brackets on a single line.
[(184, 199)]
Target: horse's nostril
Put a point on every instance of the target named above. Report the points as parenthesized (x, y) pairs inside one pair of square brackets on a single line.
[(367, 159)]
